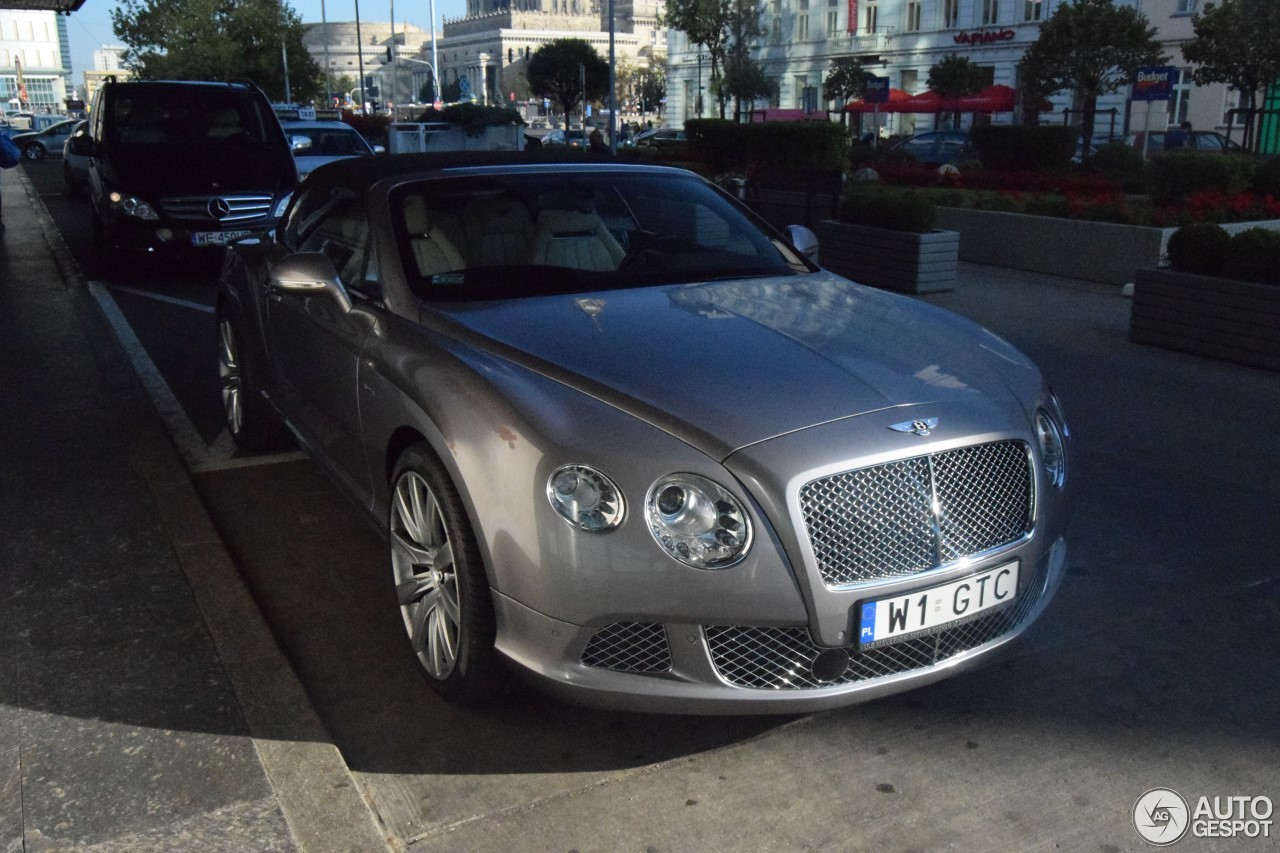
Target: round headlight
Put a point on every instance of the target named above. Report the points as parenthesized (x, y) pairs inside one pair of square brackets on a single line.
[(585, 498), (697, 522), (1053, 455)]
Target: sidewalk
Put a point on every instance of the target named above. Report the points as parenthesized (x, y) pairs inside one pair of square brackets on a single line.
[(144, 704)]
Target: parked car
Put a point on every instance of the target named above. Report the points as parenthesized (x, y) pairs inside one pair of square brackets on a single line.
[(1201, 140), (936, 147), (659, 137), (178, 166), (316, 143), (623, 437), (36, 144), (76, 152), (572, 138)]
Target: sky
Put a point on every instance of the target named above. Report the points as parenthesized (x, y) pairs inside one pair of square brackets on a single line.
[(90, 28)]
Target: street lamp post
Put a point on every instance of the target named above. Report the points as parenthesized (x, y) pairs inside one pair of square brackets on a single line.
[(360, 60)]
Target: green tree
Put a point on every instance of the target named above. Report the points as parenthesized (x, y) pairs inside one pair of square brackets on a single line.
[(743, 78), (557, 69), (218, 40), (845, 82), (1092, 47), (1237, 42), (956, 76), (707, 24), (651, 86)]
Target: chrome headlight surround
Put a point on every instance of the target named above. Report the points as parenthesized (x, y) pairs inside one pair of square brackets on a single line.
[(585, 498), (1053, 454), (130, 205), (282, 204), (697, 521)]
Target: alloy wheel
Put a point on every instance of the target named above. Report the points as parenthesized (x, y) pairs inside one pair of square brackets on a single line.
[(425, 575), (229, 375)]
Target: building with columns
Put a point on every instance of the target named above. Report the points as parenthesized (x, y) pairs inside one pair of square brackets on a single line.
[(345, 53), (491, 43)]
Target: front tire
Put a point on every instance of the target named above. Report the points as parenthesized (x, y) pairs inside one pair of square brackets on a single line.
[(441, 585), (253, 424), (33, 151)]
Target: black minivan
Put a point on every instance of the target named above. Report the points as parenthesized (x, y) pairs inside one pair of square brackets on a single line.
[(181, 166)]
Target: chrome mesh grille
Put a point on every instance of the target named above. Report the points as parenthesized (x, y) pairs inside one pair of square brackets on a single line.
[(629, 647), (242, 208), (782, 658), (879, 522)]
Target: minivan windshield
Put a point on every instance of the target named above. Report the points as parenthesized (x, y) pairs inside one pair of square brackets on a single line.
[(172, 115)]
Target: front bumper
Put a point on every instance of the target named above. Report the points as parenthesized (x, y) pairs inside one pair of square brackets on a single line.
[(683, 668), (162, 237)]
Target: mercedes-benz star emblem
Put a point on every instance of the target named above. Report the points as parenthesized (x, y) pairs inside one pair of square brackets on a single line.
[(218, 208), (923, 426)]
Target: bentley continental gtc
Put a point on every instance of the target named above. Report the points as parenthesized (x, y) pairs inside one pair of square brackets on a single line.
[(627, 441)]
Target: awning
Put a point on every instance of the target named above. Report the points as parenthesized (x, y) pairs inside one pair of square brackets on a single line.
[(42, 5), (896, 97)]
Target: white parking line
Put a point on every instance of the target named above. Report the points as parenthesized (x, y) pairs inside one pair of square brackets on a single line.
[(199, 455), (160, 297)]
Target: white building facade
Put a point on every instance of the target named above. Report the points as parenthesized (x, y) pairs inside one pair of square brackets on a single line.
[(902, 39), (34, 60)]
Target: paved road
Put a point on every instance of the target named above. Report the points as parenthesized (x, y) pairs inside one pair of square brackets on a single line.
[(1155, 666)]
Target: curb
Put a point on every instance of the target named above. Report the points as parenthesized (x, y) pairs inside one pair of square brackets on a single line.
[(322, 802)]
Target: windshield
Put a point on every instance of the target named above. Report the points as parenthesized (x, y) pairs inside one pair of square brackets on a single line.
[(533, 234), (176, 116)]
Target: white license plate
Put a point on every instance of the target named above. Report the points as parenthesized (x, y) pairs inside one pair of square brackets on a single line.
[(927, 611), (217, 238)]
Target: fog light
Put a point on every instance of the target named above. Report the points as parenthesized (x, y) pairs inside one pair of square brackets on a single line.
[(164, 234)]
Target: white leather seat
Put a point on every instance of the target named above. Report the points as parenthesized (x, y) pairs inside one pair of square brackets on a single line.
[(499, 231), (434, 252), (576, 239)]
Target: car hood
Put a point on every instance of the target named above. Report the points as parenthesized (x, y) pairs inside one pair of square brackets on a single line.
[(725, 365), (159, 170)]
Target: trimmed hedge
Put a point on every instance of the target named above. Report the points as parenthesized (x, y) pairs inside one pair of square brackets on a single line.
[(1254, 255), (727, 146), (879, 206), (1206, 249), (1034, 147), (1179, 174), (1266, 180), (1122, 164)]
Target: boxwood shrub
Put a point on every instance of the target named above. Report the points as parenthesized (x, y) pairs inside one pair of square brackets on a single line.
[(727, 146), (1177, 175), (1254, 255), (1199, 248)]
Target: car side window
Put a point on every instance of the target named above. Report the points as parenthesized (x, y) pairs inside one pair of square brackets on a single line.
[(341, 233)]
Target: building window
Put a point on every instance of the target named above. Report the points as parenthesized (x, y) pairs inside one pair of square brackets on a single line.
[(1186, 7), (1032, 10), (1178, 97), (913, 16), (775, 25), (870, 16), (802, 20), (833, 24), (950, 13), (990, 11)]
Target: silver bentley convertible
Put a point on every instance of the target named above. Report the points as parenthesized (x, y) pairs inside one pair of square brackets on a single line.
[(627, 441)]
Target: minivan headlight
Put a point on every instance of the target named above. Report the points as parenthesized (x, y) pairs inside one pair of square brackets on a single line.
[(131, 205), (282, 204), (697, 521)]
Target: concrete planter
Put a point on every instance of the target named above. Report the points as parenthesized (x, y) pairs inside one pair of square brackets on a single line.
[(892, 260), (1076, 248), (1236, 321)]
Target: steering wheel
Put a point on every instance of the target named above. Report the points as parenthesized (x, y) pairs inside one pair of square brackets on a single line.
[(647, 247)]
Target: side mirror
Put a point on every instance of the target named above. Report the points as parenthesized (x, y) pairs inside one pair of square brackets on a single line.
[(310, 273), (805, 241), (378, 149), (299, 143)]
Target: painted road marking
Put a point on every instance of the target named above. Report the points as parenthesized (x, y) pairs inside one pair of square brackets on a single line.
[(200, 456)]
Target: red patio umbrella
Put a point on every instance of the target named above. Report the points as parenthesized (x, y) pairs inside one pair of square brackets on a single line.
[(896, 98), (993, 99)]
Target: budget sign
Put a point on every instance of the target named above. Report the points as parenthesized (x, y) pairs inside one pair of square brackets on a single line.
[(1154, 83)]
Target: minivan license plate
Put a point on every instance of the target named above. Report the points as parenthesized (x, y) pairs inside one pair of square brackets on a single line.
[(928, 611), (217, 238)]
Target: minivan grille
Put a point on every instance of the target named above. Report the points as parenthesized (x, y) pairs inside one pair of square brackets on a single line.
[(219, 209), (916, 514)]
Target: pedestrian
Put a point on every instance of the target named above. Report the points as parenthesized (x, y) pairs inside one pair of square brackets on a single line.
[(597, 147), (1179, 137)]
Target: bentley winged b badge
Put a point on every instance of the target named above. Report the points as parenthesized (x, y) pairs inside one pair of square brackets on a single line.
[(923, 426)]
